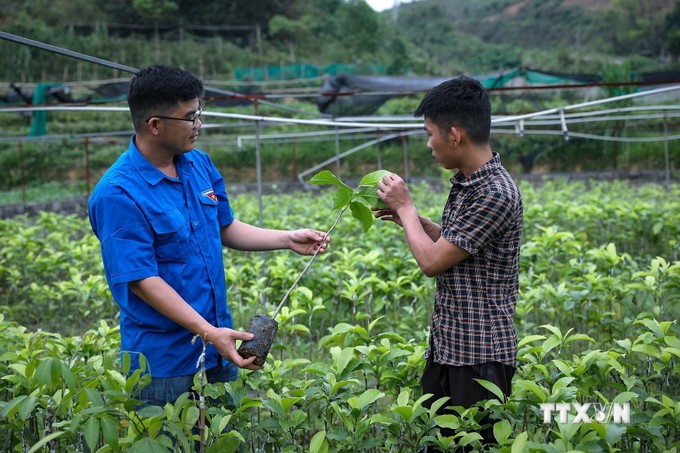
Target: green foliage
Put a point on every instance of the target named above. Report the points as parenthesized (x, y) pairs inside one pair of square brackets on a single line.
[(489, 35), (155, 10), (596, 323), (360, 200)]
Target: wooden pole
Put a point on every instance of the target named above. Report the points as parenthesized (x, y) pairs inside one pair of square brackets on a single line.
[(87, 165), (23, 174)]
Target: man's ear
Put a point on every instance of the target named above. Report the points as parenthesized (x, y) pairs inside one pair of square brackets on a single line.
[(456, 134), (152, 126)]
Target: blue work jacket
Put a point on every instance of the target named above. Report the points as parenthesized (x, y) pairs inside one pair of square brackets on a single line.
[(149, 225)]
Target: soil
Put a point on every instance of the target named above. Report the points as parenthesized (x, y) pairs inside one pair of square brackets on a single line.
[(264, 329)]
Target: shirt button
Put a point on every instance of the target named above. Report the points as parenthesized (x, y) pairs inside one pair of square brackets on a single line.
[(195, 223)]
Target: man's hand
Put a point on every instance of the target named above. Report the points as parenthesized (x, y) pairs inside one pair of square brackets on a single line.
[(393, 191), (307, 242), (387, 215), (224, 340)]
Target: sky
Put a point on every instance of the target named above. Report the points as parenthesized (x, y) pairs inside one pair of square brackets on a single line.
[(380, 5)]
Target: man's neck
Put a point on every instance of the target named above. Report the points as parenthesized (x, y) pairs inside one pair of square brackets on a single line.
[(164, 161), (478, 156)]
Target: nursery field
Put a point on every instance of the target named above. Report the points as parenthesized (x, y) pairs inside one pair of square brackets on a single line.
[(596, 321)]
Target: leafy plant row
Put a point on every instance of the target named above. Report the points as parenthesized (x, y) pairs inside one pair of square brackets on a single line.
[(596, 321)]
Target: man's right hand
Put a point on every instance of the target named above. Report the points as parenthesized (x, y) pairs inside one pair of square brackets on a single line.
[(224, 340)]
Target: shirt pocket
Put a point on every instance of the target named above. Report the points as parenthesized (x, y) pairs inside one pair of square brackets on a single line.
[(170, 237), (210, 211)]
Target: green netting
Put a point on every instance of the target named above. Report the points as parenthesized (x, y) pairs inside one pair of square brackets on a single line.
[(495, 81), (39, 123), (547, 79), (304, 71)]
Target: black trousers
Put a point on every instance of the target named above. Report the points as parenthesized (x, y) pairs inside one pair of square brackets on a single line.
[(458, 383)]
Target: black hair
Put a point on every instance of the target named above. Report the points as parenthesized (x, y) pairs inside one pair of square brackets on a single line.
[(156, 90), (461, 102)]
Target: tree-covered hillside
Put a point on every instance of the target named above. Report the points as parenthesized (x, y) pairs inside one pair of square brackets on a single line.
[(562, 35), (426, 37)]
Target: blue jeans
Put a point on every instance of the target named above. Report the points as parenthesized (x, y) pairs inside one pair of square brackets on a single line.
[(167, 390)]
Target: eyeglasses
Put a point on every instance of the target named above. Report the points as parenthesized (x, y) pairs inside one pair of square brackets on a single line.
[(193, 120)]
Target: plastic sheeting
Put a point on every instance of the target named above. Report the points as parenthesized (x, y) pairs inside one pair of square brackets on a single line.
[(348, 95)]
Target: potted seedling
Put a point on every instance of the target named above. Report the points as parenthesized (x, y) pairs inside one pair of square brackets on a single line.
[(359, 202)]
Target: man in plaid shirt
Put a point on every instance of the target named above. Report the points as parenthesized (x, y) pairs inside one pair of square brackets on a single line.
[(474, 254)]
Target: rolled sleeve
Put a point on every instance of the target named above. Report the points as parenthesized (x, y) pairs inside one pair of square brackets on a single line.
[(126, 240)]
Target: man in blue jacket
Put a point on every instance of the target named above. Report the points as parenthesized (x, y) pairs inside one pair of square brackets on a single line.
[(162, 215)]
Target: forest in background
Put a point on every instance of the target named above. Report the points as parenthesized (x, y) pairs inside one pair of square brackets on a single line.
[(426, 37)]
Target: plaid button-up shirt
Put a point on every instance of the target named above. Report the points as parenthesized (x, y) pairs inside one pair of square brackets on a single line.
[(475, 300)]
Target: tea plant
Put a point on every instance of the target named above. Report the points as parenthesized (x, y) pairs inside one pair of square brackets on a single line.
[(264, 328)]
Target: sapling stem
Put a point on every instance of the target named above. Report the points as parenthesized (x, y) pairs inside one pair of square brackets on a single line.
[(285, 296), (202, 381)]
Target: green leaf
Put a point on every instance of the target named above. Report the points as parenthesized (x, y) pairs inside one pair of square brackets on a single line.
[(12, 406), (147, 445), (579, 337), (493, 388), (366, 398), (318, 443), (67, 376), (191, 415), (110, 431), (550, 344), (370, 194), (44, 441), (340, 384), (624, 397), (402, 399), (94, 397), (519, 443), (372, 179), (48, 372), (447, 421), (91, 432), (654, 326), (363, 214), (405, 412), (533, 387), (530, 339), (381, 418), (342, 197), (151, 411), (26, 407), (434, 407), (225, 444), (555, 330), (326, 177), (341, 358), (468, 438), (502, 430), (615, 432), (646, 349)]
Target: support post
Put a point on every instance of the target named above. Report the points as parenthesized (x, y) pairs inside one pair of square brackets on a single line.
[(87, 165), (23, 174), (404, 154), (667, 161), (338, 168), (258, 161)]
